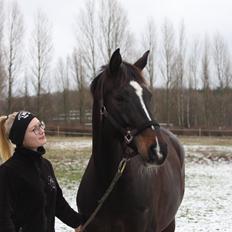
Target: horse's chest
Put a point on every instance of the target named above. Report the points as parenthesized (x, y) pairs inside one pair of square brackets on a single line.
[(127, 220), (135, 192), (129, 201)]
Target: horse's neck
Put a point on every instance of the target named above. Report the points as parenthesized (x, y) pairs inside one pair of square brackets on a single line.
[(107, 152)]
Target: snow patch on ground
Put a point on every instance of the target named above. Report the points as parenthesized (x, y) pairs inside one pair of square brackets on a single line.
[(70, 145), (207, 202), (208, 198), (207, 148)]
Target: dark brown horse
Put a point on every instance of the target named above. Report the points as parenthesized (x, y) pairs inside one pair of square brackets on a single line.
[(148, 194)]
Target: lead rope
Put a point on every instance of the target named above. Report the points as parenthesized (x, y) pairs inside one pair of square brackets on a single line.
[(121, 168)]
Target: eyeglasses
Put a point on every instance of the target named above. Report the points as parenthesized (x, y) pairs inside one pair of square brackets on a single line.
[(39, 127)]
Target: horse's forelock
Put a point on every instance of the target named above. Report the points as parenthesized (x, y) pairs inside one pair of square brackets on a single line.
[(125, 74), (132, 73)]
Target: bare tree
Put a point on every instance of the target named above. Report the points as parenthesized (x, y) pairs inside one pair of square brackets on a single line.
[(41, 53), (26, 98), (222, 64), (62, 77), (179, 75), (99, 33), (1, 27), (192, 84), (193, 64), (221, 61), (150, 43), (2, 71), (206, 81), (79, 77), (87, 36), (114, 30), (14, 32), (168, 61)]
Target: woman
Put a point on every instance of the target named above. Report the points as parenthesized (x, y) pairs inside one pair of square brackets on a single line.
[(30, 196)]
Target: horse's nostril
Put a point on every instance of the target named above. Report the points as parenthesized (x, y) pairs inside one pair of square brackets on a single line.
[(152, 153)]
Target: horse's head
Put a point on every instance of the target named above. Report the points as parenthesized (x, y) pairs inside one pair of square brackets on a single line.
[(122, 98)]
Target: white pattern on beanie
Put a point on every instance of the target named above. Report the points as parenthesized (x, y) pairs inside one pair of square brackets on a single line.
[(23, 114)]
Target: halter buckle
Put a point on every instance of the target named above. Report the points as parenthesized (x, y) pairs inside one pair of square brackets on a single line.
[(128, 137)]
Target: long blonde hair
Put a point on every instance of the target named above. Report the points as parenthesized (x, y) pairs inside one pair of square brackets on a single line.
[(6, 147)]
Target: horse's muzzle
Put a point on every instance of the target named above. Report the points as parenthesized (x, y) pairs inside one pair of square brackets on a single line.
[(155, 156)]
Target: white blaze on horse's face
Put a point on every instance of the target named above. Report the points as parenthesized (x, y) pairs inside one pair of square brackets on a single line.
[(139, 93)]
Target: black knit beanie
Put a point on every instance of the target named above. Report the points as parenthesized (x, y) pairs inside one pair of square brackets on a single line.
[(20, 124)]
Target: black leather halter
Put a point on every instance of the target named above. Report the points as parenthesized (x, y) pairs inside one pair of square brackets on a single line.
[(128, 134)]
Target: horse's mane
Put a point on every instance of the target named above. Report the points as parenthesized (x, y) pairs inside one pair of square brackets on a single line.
[(126, 73)]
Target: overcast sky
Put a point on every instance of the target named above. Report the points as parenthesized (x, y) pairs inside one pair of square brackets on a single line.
[(200, 17)]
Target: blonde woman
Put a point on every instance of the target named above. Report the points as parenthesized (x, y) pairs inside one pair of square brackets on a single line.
[(30, 196)]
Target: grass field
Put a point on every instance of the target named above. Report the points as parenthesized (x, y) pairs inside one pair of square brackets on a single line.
[(207, 202), (72, 153)]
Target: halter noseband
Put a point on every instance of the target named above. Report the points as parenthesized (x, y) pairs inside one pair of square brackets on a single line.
[(128, 134)]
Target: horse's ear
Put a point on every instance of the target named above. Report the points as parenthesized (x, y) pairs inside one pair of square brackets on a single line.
[(115, 61), (142, 62)]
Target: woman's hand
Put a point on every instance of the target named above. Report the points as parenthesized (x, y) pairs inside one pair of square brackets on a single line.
[(78, 229)]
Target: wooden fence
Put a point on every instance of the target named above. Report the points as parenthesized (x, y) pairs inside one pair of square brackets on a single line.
[(87, 131)]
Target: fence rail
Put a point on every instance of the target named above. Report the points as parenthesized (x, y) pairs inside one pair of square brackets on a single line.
[(87, 131)]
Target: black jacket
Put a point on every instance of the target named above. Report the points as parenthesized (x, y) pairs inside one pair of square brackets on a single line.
[(30, 196)]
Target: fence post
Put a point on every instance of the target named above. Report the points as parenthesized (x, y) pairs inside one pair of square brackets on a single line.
[(200, 132), (58, 130)]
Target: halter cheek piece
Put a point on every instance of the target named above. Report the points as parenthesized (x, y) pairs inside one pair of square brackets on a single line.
[(128, 134)]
